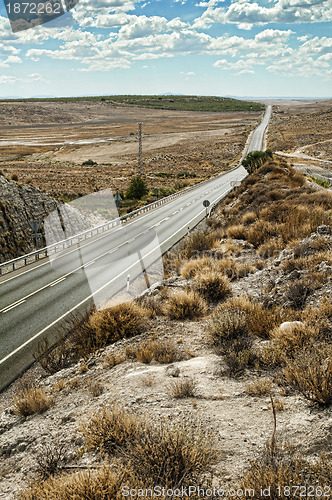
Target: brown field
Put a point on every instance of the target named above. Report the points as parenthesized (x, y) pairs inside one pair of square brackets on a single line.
[(302, 128), (45, 144)]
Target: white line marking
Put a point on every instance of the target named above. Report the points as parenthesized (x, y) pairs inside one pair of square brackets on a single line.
[(57, 282), (12, 307), (18, 349)]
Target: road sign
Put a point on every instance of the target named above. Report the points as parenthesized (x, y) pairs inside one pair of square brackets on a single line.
[(118, 199), (35, 225), (206, 203)]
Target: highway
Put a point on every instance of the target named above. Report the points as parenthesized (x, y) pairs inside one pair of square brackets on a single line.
[(38, 300), (257, 139)]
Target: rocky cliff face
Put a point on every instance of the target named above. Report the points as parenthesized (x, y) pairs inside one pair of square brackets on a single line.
[(18, 205)]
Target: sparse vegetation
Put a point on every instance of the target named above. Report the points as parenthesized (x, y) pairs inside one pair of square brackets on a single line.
[(117, 322), (280, 472), (310, 372), (182, 388), (259, 387), (31, 399), (212, 285), (185, 305)]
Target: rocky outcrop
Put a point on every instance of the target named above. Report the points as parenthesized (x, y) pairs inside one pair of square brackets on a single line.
[(20, 204)]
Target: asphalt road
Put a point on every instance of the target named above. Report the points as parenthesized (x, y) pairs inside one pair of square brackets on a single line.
[(257, 140), (39, 300)]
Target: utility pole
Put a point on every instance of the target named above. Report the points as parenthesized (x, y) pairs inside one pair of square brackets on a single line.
[(140, 160)]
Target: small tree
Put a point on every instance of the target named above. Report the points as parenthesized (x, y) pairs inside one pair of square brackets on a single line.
[(137, 188), (255, 159)]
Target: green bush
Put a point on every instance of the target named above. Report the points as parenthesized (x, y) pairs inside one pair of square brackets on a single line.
[(137, 188)]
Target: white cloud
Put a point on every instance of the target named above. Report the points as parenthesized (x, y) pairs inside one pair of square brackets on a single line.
[(31, 78), (246, 13)]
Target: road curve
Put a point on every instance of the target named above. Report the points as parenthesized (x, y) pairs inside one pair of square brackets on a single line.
[(38, 301)]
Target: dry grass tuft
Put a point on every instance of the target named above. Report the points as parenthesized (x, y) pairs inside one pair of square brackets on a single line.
[(161, 352), (59, 385), (110, 428), (110, 360), (212, 285), (185, 305), (294, 336), (191, 267), (310, 372), (248, 218), (285, 474), (95, 388), (171, 454), (261, 321), (237, 232), (182, 388), (31, 400), (259, 387), (121, 321), (102, 484), (229, 334)]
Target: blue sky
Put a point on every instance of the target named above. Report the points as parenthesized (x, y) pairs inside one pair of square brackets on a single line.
[(212, 47)]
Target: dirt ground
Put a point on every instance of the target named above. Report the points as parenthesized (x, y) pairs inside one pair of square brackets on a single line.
[(45, 144), (302, 129)]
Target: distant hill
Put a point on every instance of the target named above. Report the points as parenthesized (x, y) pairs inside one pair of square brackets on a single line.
[(172, 102)]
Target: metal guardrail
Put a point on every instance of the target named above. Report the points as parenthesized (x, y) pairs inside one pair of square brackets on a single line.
[(27, 259)]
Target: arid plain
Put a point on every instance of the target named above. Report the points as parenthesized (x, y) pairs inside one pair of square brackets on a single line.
[(46, 143)]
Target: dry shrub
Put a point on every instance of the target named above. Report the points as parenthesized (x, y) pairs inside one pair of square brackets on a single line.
[(51, 459), (297, 292), (228, 331), (259, 387), (310, 372), (271, 248), (110, 428), (311, 246), (270, 356), (212, 285), (121, 321), (294, 336), (321, 317), (182, 388), (161, 352), (151, 304), (260, 320), (102, 484), (111, 359), (248, 218), (166, 352), (59, 385), (191, 267), (185, 305), (261, 231), (283, 473), (169, 454), (172, 455), (30, 400), (237, 232), (196, 243), (95, 388)]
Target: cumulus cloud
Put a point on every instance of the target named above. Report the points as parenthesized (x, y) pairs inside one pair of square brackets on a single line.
[(246, 14)]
